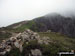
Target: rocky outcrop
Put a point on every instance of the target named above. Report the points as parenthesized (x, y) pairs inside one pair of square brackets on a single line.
[(20, 39)]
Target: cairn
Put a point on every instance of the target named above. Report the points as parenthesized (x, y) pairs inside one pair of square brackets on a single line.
[(19, 40)]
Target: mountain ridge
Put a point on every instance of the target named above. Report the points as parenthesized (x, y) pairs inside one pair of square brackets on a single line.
[(54, 22), (42, 36)]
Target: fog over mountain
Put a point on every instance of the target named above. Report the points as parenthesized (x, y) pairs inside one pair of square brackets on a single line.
[(12, 11)]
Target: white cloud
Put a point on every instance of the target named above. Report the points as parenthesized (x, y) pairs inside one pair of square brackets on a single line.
[(17, 10)]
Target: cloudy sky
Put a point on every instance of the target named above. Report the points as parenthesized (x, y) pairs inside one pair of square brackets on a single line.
[(12, 11)]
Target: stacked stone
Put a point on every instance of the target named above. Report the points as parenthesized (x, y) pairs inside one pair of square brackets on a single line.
[(4, 47), (16, 41), (7, 45), (19, 40)]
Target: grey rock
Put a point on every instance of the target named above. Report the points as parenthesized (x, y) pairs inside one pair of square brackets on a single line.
[(36, 52), (22, 38)]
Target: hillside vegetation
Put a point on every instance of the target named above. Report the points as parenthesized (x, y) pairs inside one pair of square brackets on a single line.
[(59, 41), (53, 22), (55, 32)]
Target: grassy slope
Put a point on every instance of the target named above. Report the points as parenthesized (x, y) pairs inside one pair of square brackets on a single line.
[(62, 41), (4, 35), (25, 26), (59, 42)]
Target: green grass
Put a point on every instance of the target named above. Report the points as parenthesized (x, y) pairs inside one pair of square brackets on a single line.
[(4, 36), (25, 26), (60, 40), (59, 43), (14, 52)]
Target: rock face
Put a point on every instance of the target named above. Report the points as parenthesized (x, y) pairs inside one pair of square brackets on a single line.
[(20, 39)]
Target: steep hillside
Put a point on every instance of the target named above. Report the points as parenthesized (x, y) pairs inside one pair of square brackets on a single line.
[(56, 23), (53, 22), (55, 33)]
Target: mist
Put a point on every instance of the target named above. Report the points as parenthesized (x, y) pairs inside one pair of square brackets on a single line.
[(12, 11)]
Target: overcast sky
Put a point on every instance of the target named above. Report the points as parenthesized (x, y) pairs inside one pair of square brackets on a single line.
[(12, 11)]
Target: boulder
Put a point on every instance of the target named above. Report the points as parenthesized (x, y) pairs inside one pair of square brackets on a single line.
[(36, 52)]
